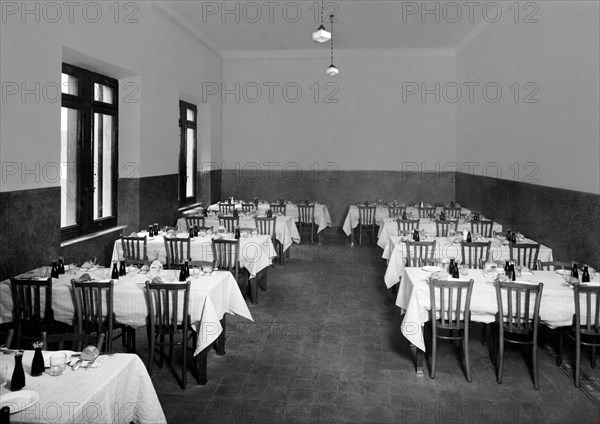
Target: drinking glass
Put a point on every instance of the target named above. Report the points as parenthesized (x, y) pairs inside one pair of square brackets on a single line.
[(58, 364), (196, 272), (464, 270), (3, 373)]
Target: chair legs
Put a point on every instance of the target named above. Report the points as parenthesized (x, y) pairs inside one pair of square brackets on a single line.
[(466, 353)]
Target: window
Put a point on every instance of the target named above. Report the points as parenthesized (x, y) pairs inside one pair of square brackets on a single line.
[(89, 152), (188, 114)]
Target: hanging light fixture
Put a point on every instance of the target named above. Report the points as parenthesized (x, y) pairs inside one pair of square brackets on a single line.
[(321, 35), (332, 71)]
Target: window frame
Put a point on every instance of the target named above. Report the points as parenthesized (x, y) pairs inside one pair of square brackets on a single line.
[(84, 102), (184, 125)]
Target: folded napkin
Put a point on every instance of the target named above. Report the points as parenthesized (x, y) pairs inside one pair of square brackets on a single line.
[(84, 278), (134, 234), (158, 280), (87, 265)]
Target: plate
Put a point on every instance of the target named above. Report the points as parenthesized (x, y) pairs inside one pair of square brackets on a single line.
[(17, 401), (431, 268)]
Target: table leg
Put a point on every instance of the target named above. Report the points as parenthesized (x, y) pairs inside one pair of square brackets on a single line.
[(201, 364), (352, 238), (253, 290), (220, 344), (418, 359)]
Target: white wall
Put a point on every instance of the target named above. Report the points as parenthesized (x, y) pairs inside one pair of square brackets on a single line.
[(369, 128), (161, 61), (559, 134)]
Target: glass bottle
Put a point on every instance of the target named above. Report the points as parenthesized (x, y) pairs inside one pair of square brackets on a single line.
[(469, 238), (585, 275), (513, 274), (237, 233), (574, 272), (122, 271), (451, 267), (186, 269), (61, 265), (205, 212), (54, 272), (182, 273), (404, 215), (455, 271), (37, 364), (196, 231), (5, 415), (17, 382), (191, 232), (115, 272)]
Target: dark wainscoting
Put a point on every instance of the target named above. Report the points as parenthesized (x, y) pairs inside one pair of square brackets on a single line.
[(209, 187), (338, 189), (568, 221), (29, 229), (129, 204), (99, 248), (158, 200)]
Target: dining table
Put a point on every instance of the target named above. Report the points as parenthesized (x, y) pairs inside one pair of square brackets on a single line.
[(256, 251), (445, 249), (556, 308), (116, 389)]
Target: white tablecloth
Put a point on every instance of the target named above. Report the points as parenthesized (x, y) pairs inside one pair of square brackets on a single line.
[(285, 229), (395, 251), (322, 217), (256, 252), (390, 228), (210, 298), (117, 391), (556, 309), (381, 213)]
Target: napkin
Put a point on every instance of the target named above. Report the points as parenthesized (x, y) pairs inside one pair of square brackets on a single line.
[(158, 280), (84, 278), (133, 234)]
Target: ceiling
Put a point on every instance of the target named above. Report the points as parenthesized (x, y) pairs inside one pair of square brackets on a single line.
[(287, 25)]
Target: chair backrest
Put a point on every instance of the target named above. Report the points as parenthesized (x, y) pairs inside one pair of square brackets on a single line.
[(396, 211), (226, 208), (452, 212), (450, 302), (483, 227), (229, 222), (134, 250), (266, 226), (366, 214), (525, 254), (247, 207), (306, 213), (196, 220), (94, 307), (515, 306), (442, 228), (406, 225), (278, 208), (168, 306), (426, 211), (178, 251), (476, 253), (419, 253), (32, 303), (72, 341), (587, 322), (226, 254), (554, 265)]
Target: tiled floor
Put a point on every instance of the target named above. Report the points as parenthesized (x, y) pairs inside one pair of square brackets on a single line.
[(326, 347)]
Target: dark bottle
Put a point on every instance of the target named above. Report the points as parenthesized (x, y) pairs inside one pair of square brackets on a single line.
[(306, 202), (404, 215), (150, 231), (585, 275), (17, 382), (235, 213), (469, 239), (237, 233), (61, 265), (54, 272), (506, 268), (574, 272), (513, 274), (122, 270), (455, 271), (256, 202), (115, 272), (442, 216), (182, 273), (205, 212), (196, 232), (451, 267), (269, 213), (5, 415), (281, 202), (187, 269), (37, 364), (191, 232), (155, 228)]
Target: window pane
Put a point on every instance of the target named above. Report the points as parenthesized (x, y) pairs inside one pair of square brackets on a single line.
[(189, 162), (190, 115), (69, 84), (68, 164), (103, 132), (103, 94)]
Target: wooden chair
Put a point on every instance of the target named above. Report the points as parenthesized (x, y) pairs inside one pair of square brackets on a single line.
[(426, 211), (196, 220), (585, 329), (476, 253), (452, 212), (94, 313), (32, 310), (8, 339), (72, 341), (407, 225), (366, 221), (135, 250), (226, 208), (178, 251), (267, 226), (525, 254), (483, 227), (396, 211), (443, 228), (168, 317), (554, 265), (277, 208), (306, 219), (247, 207), (451, 315), (419, 253), (518, 322), (226, 255), (229, 222)]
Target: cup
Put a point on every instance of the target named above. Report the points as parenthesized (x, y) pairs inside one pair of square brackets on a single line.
[(196, 272), (464, 270), (58, 364)]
